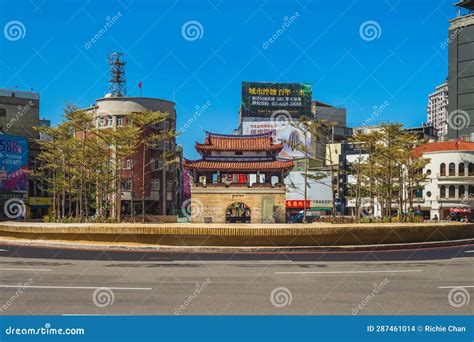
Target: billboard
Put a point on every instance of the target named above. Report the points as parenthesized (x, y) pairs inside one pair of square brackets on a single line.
[(13, 163), (281, 133), (261, 100)]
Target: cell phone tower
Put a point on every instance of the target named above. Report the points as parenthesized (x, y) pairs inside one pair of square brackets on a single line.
[(117, 83)]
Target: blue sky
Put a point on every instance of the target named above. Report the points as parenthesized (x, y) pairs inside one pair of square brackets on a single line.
[(324, 46)]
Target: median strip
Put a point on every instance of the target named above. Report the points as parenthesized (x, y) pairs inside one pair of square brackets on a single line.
[(347, 272), (78, 287), (26, 269)]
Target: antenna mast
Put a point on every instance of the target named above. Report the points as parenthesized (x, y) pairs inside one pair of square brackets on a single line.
[(117, 84)]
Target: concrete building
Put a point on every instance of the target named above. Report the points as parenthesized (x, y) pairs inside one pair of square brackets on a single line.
[(19, 113), (450, 183), (161, 185), (437, 109), (461, 72)]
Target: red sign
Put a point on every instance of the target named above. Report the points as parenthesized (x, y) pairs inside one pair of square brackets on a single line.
[(460, 210), (297, 204)]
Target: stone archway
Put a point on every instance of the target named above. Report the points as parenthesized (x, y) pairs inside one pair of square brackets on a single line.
[(238, 212)]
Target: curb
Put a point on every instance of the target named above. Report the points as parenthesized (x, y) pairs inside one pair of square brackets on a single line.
[(236, 250)]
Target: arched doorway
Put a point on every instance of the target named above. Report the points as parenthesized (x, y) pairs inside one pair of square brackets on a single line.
[(238, 212)]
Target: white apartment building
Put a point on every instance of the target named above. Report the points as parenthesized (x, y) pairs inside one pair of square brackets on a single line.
[(437, 109), (450, 183)]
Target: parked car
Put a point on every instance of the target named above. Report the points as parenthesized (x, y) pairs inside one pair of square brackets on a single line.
[(298, 218)]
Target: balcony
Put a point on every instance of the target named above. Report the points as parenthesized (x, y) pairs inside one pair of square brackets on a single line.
[(238, 185)]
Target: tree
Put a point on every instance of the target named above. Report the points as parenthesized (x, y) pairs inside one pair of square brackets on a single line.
[(149, 137), (390, 171)]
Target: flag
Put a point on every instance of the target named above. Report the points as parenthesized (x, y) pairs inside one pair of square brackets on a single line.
[(140, 85), (458, 142)]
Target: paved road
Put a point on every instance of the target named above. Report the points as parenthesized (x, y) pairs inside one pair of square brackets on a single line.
[(45, 281)]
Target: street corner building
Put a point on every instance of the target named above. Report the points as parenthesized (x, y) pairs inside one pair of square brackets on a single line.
[(238, 179)]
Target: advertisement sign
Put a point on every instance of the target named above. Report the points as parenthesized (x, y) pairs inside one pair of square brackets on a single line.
[(310, 204), (13, 163), (261, 100), (281, 133)]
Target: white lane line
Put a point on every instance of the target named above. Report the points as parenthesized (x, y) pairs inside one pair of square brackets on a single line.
[(79, 287), (454, 287), (3, 250), (26, 269), (468, 252), (347, 272)]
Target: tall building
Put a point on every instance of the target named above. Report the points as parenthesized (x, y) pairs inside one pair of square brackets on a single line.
[(437, 109), (461, 72)]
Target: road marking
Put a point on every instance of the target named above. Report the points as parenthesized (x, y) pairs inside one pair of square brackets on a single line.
[(453, 287), (468, 251), (78, 287), (3, 250), (26, 269), (346, 272)]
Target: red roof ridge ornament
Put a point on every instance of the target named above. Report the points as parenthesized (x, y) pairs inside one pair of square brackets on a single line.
[(231, 142)]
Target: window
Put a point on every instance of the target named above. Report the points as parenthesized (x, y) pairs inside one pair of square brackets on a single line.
[(238, 153), (452, 169), (442, 191), (156, 164), (3, 112), (108, 121), (452, 191), (155, 185), (169, 185), (127, 165), (462, 190), (470, 171), (428, 172), (119, 120), (461, 169), (471, 191), (166, 125), (126, 184), (442, 169), (428, 194)]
